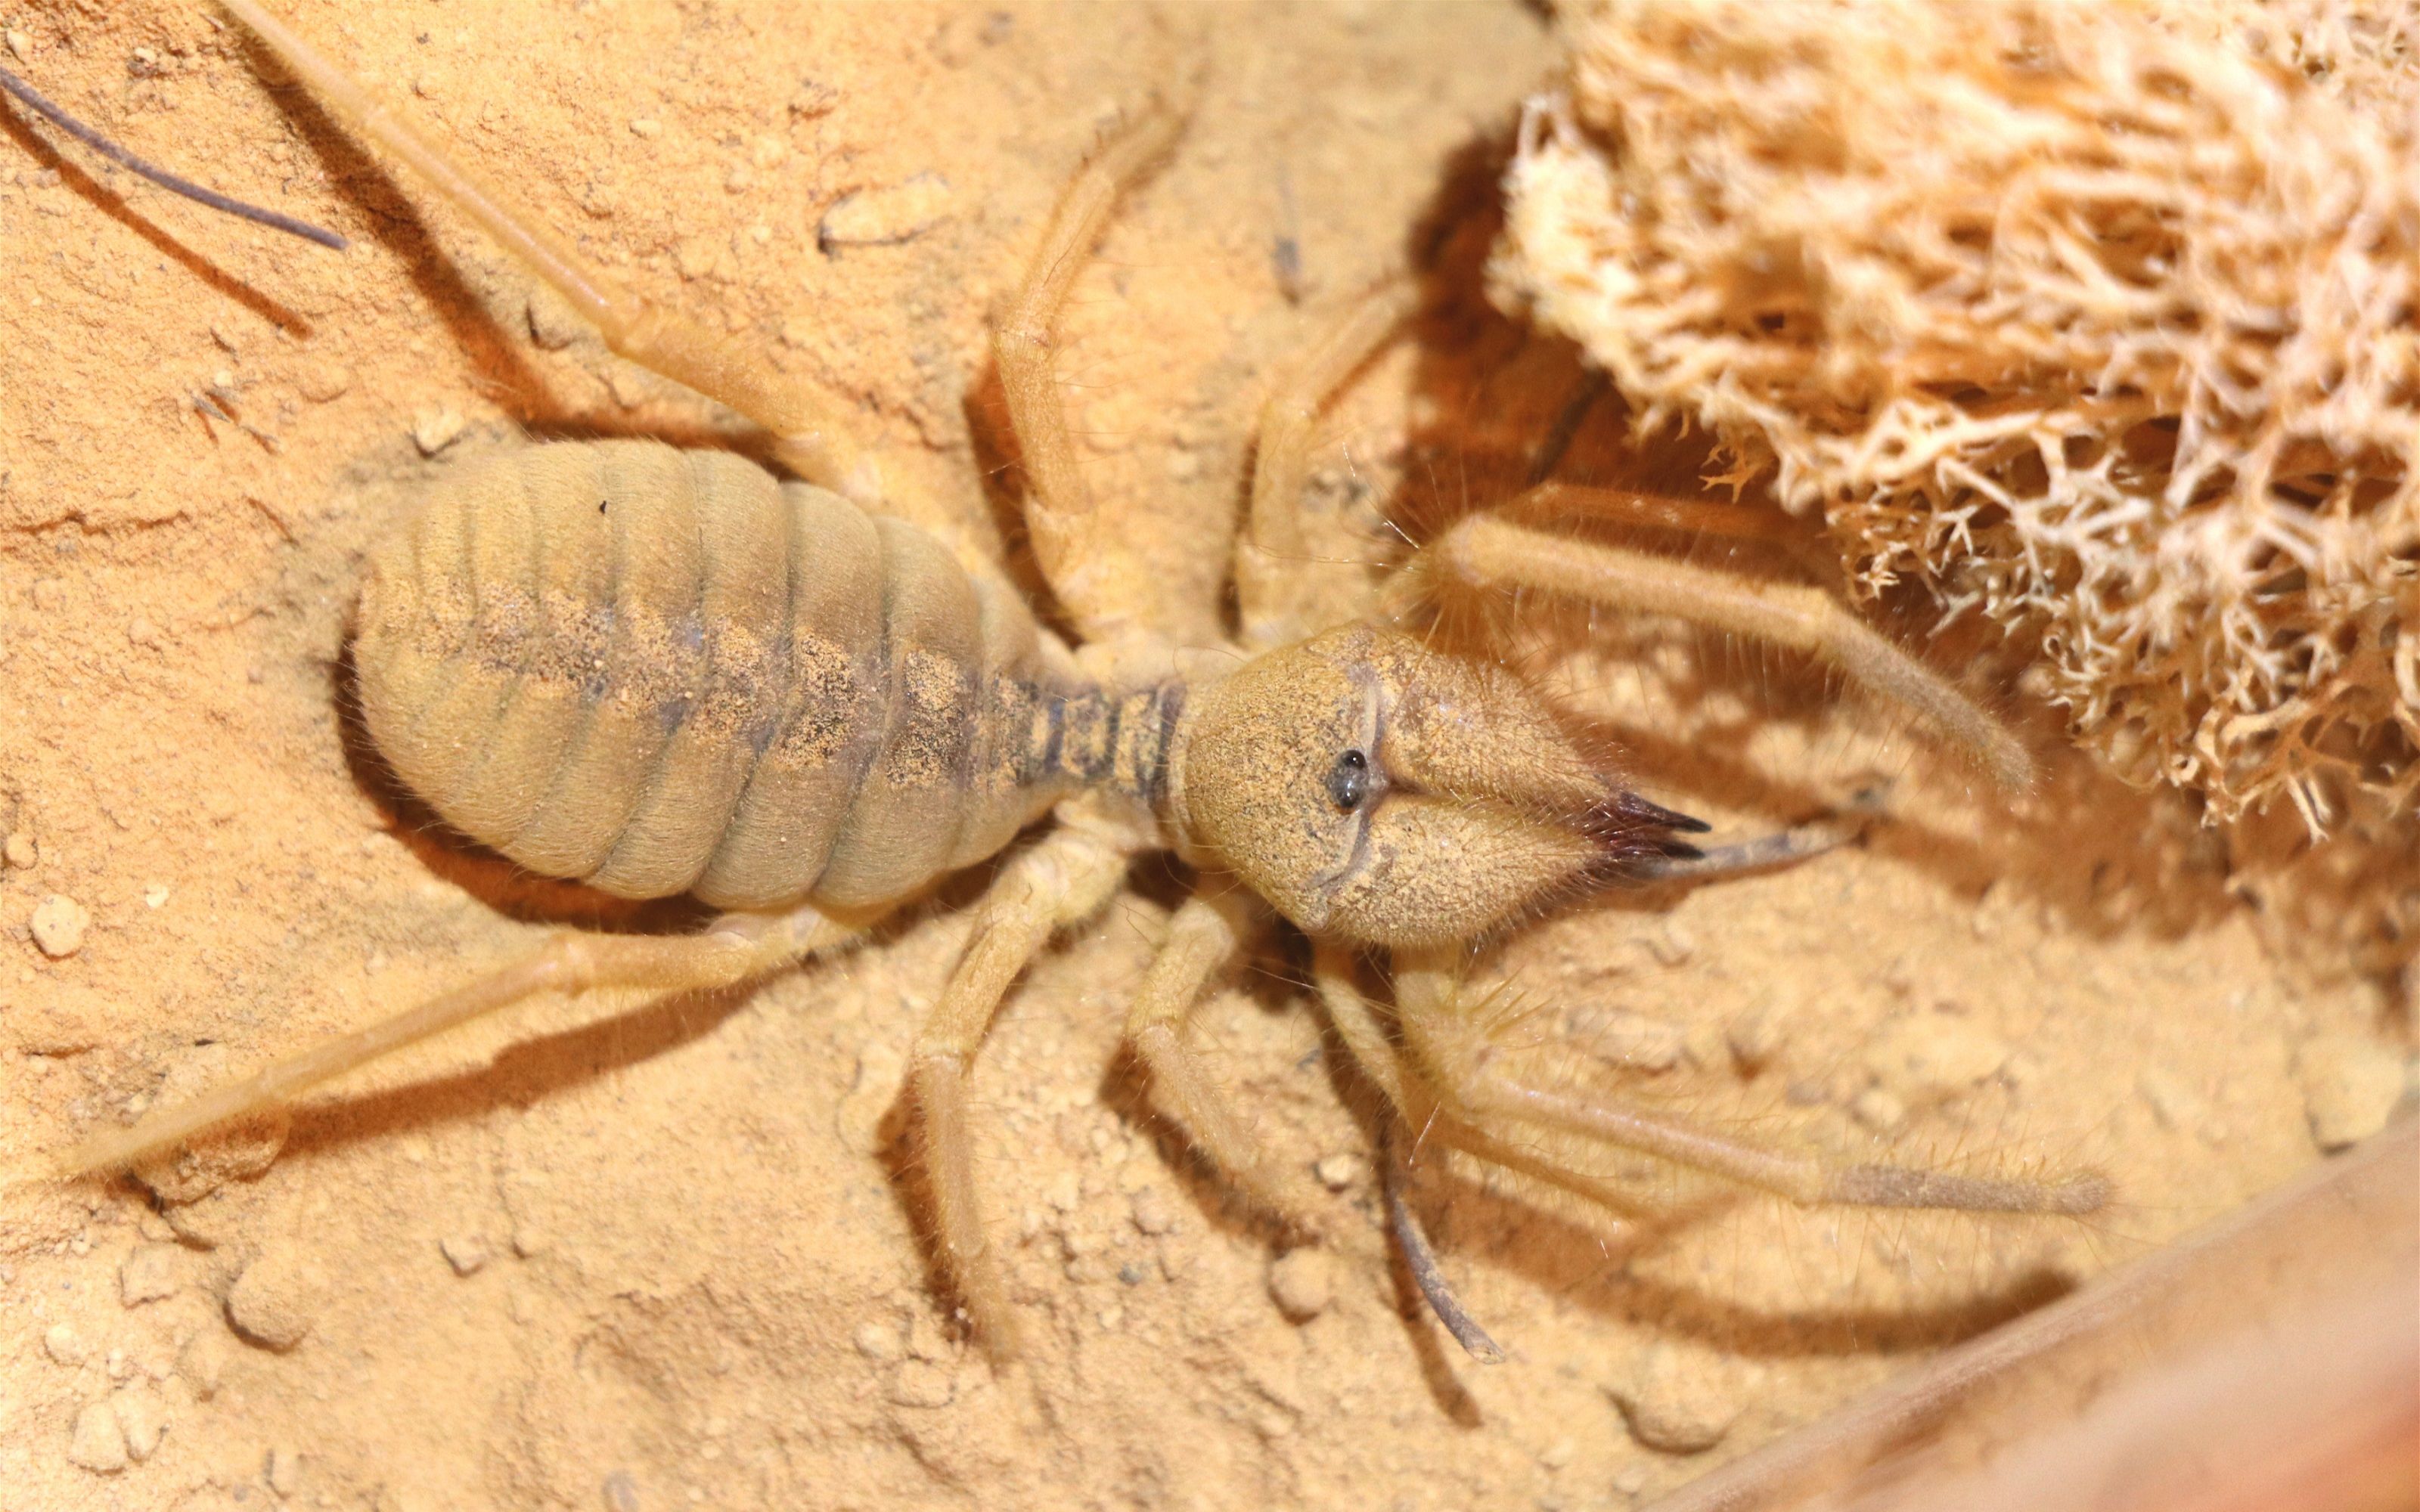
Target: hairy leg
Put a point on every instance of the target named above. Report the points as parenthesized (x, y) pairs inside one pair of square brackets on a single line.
[(1203, 937), (1557, 502), (1421, 1260), (1416, 1103), (1284, 590), (1482, 1093), (810, 427), (1413, 1118), (1104, 585), (732, 950), (1485, 551), (1069, 875)]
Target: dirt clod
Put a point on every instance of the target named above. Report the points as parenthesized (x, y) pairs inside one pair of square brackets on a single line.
[(275, 1299), (2349, 1085), (58, 924), (65, 1346), (1302, 1282), (1676, 1405), (96, 1441), (149, 1274), (141, 1418)]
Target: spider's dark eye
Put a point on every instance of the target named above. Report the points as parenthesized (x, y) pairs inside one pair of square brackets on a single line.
[(1348, 780)]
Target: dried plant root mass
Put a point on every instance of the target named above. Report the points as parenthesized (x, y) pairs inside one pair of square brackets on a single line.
[(2096, 319)]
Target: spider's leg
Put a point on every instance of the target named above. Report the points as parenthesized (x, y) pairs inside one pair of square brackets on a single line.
[(1069, 875), (1106, 585), (1285, 589), (811, 428), (731, 950), (1203, 937), (1485, 551), (1480, 1090)]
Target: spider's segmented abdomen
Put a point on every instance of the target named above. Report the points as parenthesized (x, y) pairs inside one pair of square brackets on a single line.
[(661, 670)]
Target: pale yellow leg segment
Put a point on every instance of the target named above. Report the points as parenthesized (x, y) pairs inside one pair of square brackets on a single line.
[(1104, 585), (1482, 1093), (1285, 589), (1629, 507), (1416, 1102), (1067, 877), (810, 426), (1203, 937), (732, 950), (1487, 552)]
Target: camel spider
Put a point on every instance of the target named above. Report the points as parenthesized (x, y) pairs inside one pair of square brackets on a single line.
[(665, 672)]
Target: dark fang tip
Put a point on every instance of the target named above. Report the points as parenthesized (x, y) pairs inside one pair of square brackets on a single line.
[(1631, 810)]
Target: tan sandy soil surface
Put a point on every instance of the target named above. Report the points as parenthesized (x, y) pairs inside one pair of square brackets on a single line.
[(656, 1256)]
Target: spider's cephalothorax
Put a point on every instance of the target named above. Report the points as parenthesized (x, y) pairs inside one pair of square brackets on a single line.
[(669, 672), (1380, 792)]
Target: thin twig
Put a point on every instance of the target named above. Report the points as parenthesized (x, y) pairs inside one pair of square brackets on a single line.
[(162, 176)]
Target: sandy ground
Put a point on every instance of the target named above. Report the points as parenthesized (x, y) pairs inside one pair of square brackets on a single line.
[(661, 1257)]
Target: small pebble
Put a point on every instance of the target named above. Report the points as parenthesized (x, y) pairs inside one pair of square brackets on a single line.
[(283, 1470), (59, 923), (1302, 1282), (97, 1442), (647, 128), (149, 1274), (322, 382), (1154, 1213), (918, 1383), (22, 851), (1674, 1405), (65, 1345), (1756, 1036), (466, 1253), (155, 895), (272, 1304), (142, 632), (433, 430), (1929, 1055), (202, 1363), (20, 44), (885, 217), (143, 1418), (551, 323), (1339, 1171), (2349, 1085), (878, 1341)]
